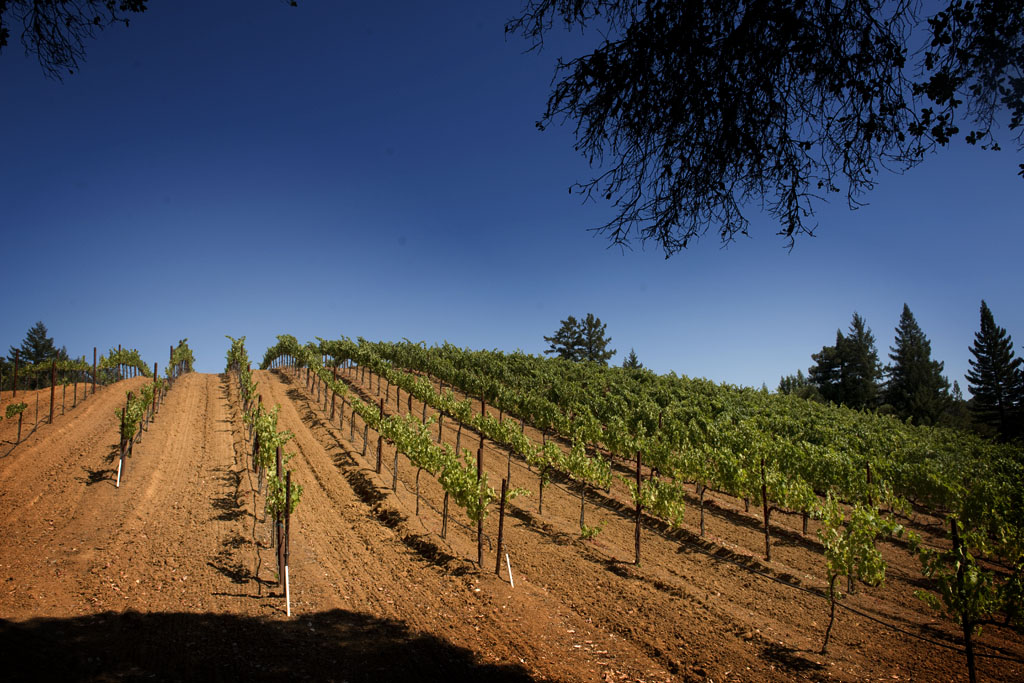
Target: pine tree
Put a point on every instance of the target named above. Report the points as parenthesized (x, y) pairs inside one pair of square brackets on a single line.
[(848, 372), (825, 374), (916, 388), (567, 340), (595, 343), (861, 366), (995, 379), (36, 347), (632, 362), (581, 340)]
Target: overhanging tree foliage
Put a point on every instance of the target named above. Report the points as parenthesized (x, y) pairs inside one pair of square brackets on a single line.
[(55, 32), (697, 110)]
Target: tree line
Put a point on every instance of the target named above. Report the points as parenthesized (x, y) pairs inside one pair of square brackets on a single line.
[(912, 385)]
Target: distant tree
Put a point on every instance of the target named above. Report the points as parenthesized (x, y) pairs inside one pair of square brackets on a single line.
[(697, 110), (632, 362), (36, 347), (581, 340), (799, 385), (848, 372), (995, 379), (567, 340), (957, 414), (915, 388)]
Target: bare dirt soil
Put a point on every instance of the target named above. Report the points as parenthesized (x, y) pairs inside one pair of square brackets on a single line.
[(172, 576)]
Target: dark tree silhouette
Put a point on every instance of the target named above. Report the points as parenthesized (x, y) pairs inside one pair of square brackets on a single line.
[(848, 372), (916, 387), (581, 340), (697, 111), (996, 379)]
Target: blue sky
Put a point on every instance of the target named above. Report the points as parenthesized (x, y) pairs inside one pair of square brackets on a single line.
[(373, 169)]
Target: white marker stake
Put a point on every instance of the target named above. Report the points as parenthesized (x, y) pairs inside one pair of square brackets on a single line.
[(118, 474), (509, 565), (287, 591)]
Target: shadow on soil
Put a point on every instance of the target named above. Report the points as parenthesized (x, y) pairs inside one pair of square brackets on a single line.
[(334, 645), (789, 658)]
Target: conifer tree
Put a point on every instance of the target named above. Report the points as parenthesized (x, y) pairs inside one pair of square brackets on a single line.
[(581, 340), (632, 362), (848, 372), (916, 388), (595, 343), (995, 379), (36, 347), (566, 341)]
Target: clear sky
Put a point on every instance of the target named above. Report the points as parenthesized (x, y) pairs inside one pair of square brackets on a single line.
[(373, 169)]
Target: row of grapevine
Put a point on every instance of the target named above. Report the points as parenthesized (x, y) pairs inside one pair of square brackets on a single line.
[(139, 410), (779, 451), (455, 469), (268, 460)]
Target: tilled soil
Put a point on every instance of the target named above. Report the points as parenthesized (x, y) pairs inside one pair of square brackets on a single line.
[(172, 576)]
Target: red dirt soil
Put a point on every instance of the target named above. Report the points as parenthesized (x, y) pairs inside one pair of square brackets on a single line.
[(172, 575)]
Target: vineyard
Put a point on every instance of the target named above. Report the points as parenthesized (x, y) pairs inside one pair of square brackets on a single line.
[(358, 510)]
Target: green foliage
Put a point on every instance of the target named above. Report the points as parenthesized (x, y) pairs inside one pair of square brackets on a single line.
[(849, 543), (181, 358), (126, 357), (238, 358), (14, 409), (799, 385)]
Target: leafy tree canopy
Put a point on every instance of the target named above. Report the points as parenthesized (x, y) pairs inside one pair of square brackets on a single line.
[(581, 340), (696, 110)]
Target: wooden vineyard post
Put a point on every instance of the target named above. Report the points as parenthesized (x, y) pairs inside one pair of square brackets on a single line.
[(542, 470), (15, 386), (380, 437), (94, 370), (279, 523), (444, 517), (333, 394), (764, 503), (639, 513), (287, 537), (119, 364), (53, 386), (501, 525), (480, 517)]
